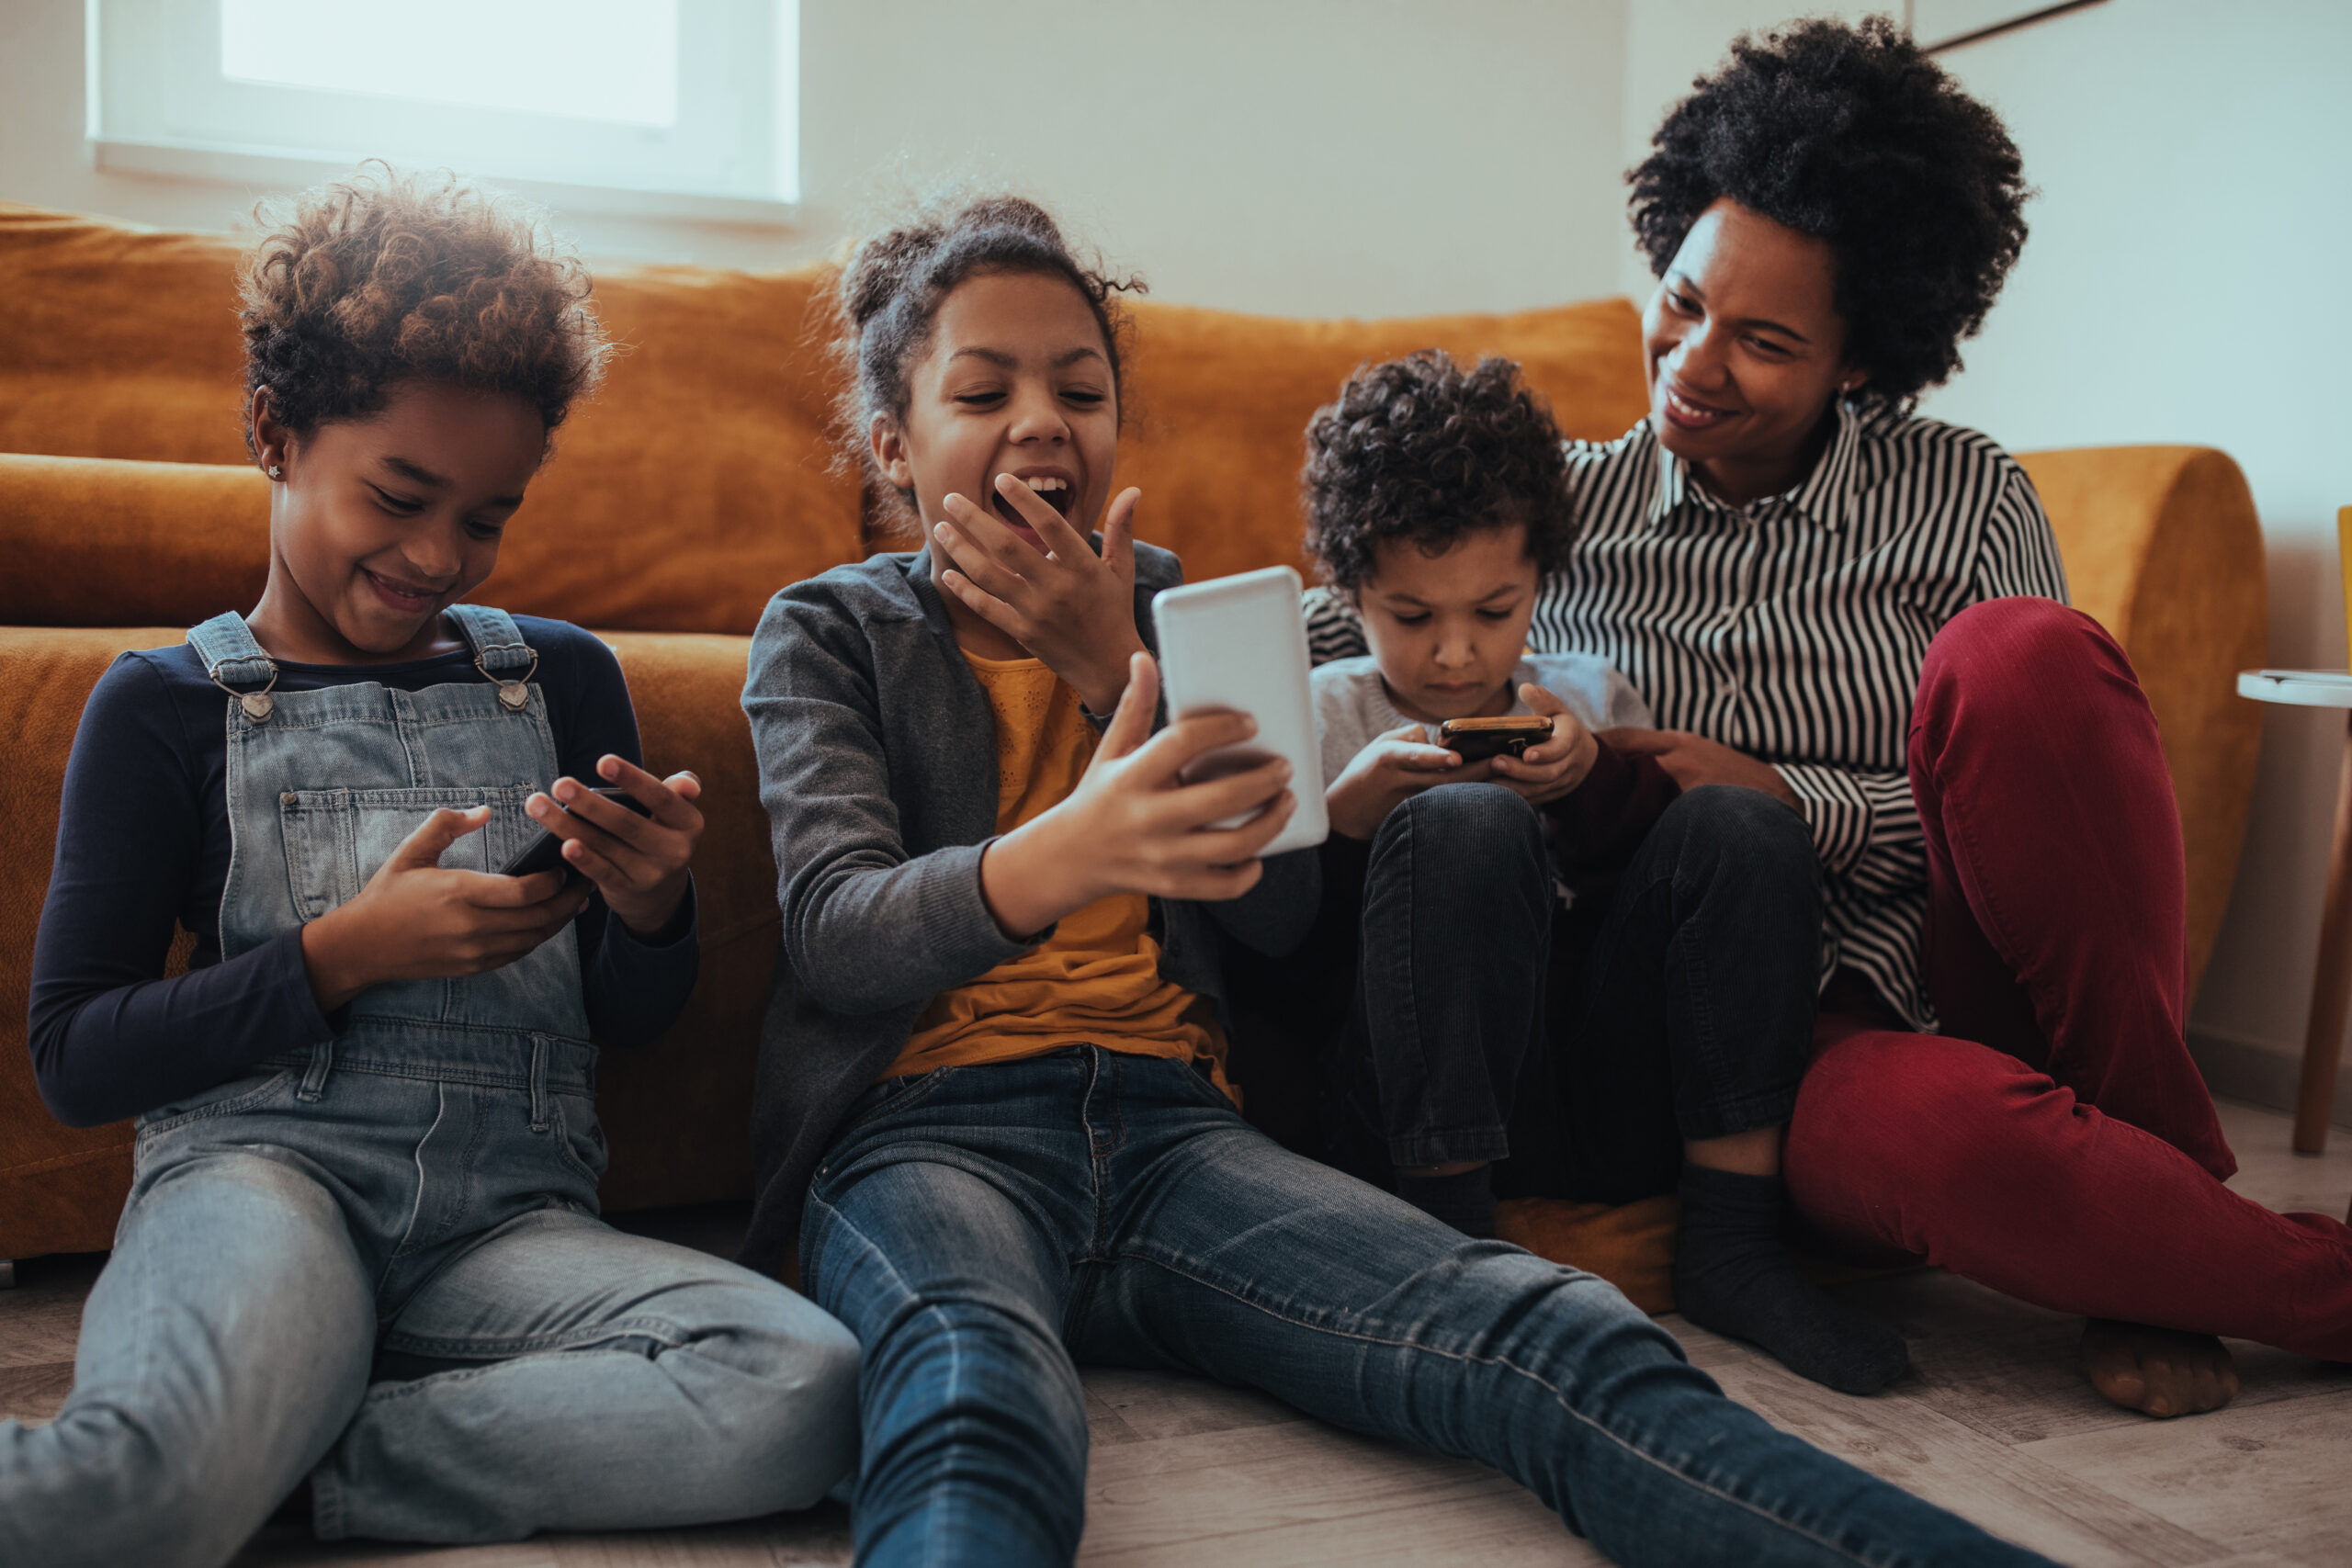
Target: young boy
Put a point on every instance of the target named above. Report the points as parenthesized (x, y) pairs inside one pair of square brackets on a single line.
[(1648, 1038)]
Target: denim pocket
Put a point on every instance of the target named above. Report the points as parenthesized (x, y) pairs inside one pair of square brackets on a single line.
[(247, 1091), (335, 840), (580, 1136), (886, 1098)]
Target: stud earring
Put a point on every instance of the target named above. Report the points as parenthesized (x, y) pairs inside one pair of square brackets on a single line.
[(275, 472)]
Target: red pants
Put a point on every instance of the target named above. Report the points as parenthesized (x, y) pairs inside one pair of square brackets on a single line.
[(2059, 1144)]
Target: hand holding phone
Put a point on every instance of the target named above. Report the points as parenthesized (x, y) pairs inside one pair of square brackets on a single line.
[(637, 853), (1552, 767), (546, 852), (1238, 645), (1133, 825), (417, 920), (1394, 768)]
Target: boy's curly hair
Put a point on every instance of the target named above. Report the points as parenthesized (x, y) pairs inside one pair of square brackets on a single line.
[(1851, 134), (385, 277), (887, 296), (1420, 450)]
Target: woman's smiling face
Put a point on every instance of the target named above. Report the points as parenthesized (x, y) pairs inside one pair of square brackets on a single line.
[(1745, 351), (1016, 380)]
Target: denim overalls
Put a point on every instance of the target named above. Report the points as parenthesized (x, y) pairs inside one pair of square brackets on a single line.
[(356, 1261), (454, 1104)]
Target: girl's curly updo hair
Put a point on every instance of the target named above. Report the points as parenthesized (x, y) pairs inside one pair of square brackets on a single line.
[(384, 278), (1852, 135), (887, 298), (1419, 450)]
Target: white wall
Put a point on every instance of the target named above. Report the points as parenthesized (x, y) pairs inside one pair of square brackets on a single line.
[(2184, 282), (1305, 157)]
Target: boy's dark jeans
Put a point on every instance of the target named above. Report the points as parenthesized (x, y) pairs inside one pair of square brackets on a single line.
[(1586, 1045)]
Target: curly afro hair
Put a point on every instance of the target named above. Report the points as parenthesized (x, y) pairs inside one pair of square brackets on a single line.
[(385, 279), (889, 294), (1419, 448), (1852, 135)]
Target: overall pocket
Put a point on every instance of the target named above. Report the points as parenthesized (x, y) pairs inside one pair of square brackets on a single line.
[(336, 838)]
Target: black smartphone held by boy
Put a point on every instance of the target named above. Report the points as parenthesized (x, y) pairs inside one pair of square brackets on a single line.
[(1479, 739), (546, 852)]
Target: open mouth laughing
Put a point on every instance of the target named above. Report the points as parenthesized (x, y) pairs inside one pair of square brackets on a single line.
[(1052, 485)]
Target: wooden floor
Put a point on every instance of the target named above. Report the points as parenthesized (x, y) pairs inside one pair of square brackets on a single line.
[(1994, 1423)]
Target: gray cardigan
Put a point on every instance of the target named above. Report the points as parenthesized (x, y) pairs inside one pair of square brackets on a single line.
[(878, 767)]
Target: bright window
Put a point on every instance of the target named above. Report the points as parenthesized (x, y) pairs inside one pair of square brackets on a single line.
[(678, 99)]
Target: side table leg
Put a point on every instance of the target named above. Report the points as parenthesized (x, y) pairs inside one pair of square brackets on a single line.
[(2332, 980)]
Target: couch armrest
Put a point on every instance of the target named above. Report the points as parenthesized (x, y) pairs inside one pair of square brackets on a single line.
[(2163, 548)]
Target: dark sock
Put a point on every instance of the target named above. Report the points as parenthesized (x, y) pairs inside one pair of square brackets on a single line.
[(1732, 1275), (1465, 1200)]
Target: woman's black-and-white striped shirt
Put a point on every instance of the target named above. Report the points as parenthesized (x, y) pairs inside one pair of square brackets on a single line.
[(1794, 628)]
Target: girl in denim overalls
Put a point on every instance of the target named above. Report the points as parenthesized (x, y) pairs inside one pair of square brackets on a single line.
[(362, 1244)]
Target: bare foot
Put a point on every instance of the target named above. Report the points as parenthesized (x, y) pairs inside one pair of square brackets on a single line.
[(2160, 1372)]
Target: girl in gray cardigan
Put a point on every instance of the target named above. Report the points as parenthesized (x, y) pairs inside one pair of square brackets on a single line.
[(991, 1110)]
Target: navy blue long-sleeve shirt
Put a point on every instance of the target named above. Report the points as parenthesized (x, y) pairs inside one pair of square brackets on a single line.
[(142, 846)]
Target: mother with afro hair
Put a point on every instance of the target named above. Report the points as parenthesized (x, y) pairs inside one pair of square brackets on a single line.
[(1861, 612)]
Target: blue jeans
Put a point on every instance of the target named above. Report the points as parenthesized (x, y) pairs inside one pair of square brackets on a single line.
[(448, 1341), (984, 1229)]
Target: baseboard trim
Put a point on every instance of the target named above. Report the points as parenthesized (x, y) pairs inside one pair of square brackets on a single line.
[(2261, 1075)]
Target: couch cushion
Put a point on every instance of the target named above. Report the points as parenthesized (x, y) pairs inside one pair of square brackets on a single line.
[(60, 1188), (692, 487), (1218, 404), (96, 542)]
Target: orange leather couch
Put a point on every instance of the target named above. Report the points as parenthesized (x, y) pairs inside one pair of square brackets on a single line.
[(698, 482)]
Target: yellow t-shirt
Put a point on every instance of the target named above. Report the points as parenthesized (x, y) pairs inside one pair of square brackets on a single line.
[(1096, 980)]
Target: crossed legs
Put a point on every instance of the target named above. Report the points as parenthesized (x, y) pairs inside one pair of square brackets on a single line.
[(2062, 1146)]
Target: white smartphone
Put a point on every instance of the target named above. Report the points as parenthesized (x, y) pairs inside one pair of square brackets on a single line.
[(1240, 644)]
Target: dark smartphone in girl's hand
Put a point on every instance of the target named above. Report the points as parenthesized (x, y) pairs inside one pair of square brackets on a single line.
[(546, 852)]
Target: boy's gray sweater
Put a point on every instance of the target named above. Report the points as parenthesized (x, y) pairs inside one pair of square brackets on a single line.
[(878, 767)]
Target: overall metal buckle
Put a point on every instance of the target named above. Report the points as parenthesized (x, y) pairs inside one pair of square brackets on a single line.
[(257, 706), (513, 695)]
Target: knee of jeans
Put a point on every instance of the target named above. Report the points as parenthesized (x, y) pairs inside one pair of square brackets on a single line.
[(967, 1393), (2020, 648), (1915, 1119), (1516, 1309), (981, 1366), (1483, 825), (801, 1420), (1728, 825)]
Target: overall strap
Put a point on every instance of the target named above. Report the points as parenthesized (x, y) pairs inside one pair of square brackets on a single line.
[(233, 660), (499, 650)]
